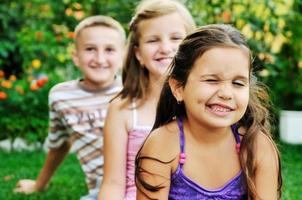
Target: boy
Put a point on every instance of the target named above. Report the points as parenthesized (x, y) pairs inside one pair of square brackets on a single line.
[(78, 107)]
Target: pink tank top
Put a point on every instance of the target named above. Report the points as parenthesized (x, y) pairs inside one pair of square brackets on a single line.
[(136, 137)]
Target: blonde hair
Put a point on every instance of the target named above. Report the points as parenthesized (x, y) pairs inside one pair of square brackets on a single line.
[(148, 9), (135, 77), (100, 20)]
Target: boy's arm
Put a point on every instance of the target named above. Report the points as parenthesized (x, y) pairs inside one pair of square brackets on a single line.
[(53, 160), (115, 153)]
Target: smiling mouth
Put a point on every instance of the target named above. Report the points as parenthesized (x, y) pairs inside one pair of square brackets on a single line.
[(99, 67), (164, 59), (220, 109)]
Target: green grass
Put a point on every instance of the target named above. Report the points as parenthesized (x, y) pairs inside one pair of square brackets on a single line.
[(68, 182), (291, 158)]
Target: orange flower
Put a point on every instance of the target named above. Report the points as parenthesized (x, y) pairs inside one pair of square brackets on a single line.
[(44, 79), (70, 35), (68, 11), (79, 15), (3, 95), (41, 82), (1, 74), (6, 84), (12, 78), (34, 86), (226, 16)]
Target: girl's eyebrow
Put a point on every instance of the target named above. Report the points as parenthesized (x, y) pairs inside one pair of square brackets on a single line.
[(204, 76), (241, 77), (244, 78), (156, 35)]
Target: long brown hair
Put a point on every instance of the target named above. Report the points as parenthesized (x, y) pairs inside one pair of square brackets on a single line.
[(256, 118), (135, 77)]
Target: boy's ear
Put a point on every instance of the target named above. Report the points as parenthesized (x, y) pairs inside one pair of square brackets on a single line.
[(176, 89), (75, 58), (138, 56)]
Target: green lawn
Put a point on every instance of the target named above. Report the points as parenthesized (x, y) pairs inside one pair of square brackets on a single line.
[(68, 183), (291, 156)]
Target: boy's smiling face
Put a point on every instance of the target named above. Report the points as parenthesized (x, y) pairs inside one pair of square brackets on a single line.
[(99, 54)]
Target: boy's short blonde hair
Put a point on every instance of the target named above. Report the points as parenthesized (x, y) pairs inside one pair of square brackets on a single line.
[(100, 20)]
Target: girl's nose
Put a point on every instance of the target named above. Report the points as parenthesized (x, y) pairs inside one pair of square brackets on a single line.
[(225, 92), (166, 47)]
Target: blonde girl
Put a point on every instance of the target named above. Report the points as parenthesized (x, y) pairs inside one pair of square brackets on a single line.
[(156, 30)]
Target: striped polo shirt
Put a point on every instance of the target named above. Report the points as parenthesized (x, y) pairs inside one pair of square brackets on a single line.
[(77, 115)]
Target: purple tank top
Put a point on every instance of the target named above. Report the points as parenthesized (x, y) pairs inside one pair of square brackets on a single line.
[(182, 188)]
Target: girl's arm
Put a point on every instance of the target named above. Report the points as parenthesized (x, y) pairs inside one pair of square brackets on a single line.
[(267, 168), (155, 164), (115, 152)]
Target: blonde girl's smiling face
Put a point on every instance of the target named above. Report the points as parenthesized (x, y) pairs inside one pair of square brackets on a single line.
[(99, 54), (158, 42), (217, 89)]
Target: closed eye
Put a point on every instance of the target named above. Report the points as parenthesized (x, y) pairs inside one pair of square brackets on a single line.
[(239, 83), (152, 40), (211, 81), (177, 38)]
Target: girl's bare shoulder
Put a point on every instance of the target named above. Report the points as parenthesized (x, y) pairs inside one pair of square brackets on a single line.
[(120, 112), (266, 149), (163, 142), (119, 104)]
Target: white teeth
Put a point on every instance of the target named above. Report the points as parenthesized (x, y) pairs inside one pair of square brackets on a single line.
[(99, 67), (164, 59), (220, 109)]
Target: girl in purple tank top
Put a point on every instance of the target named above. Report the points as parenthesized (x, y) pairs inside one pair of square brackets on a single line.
[(211, 138)]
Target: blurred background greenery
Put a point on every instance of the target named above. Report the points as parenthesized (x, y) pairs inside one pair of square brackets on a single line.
[(36, 40)]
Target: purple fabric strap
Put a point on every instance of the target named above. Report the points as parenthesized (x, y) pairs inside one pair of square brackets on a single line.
[(182, 139), (236, 134), (181, 135)]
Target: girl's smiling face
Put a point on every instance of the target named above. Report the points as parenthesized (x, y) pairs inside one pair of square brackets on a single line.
[(216, 93), (158, 42)]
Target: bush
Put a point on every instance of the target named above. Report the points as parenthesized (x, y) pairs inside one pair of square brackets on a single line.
[(36, 39), (25, 110)]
